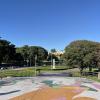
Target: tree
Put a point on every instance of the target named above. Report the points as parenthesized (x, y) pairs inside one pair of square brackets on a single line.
[(24, 51), (53, 50), (19, 60), (40, 52), (81, 53), (7, 51), (51, 57), (30, 52)]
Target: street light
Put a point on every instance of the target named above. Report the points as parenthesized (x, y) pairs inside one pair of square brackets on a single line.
[(30, 61), (35, 64), (51, 60), (27, 62), (35, 60)]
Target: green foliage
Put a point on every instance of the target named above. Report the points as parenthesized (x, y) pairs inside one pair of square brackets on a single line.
[(17, 73), (53, 50), (7, 51), (26, 72), (82, 53), (30, 53), (52, 56), (24, 51)]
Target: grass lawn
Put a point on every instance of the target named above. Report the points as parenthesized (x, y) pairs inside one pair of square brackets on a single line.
[(17, 73), (92, 77), (25, 72), (28, 72)]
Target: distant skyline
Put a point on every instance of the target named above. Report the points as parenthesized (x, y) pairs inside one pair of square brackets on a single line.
[(49, 23)]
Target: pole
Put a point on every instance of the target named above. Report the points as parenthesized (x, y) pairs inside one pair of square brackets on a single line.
[(35, 64), (51, 60), (30, 61), (27, 62), (35, 60)]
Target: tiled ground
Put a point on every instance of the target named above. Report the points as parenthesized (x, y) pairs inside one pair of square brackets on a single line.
[(49, 88)]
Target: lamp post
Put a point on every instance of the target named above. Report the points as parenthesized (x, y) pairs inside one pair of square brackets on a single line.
[(30, 61), (27, 62), (35, 64), (35, 60), (51, 60)]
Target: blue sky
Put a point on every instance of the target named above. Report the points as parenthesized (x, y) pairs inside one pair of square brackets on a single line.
[(49, 23)]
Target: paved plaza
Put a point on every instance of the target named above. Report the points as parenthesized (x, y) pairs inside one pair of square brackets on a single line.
[(49, 88)]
